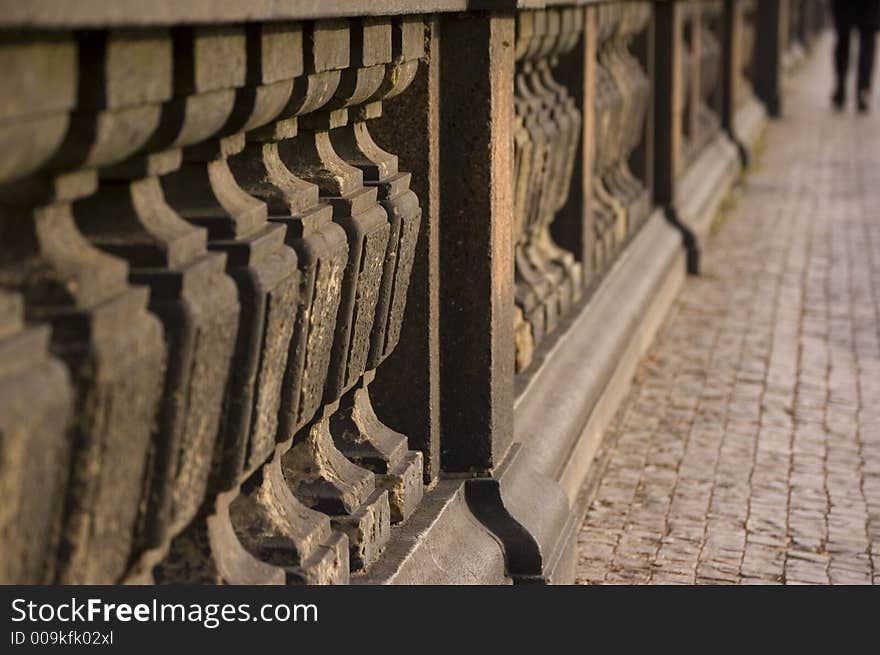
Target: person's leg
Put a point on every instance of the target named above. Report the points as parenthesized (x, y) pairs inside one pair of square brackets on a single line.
[(867, 44), (843, 26)]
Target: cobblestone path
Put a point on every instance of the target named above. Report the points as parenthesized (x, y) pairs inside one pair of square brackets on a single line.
[(749, 448)]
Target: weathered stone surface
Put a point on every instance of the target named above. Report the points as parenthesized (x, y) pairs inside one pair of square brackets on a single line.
[(442, 543), (198, 306), (332, 277), (112, 347), (265, 271), (35, 404), (357, 431), (114, 13), (115, 355), (406, 394), (547, 129), (476, 310), (621, 201), (368, 529), (334, 151), (277, 528), (320, 245), (527, 511), (38, 90), (365, 440), (129, 216), (244, 200), (208, 551)]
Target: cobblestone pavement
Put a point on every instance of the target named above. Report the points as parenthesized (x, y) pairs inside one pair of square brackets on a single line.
[(749, 448)]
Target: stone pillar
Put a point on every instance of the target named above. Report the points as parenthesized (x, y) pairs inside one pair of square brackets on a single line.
[(771, 42), (476, 240), (669, 100), (732, 57)]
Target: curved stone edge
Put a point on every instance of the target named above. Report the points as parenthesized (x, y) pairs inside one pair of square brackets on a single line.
[(532, 502), (441, 543), (564, 411), (570, 400), (530, 508), (527, 511), (552, 411), (749, 122), (703, 186)]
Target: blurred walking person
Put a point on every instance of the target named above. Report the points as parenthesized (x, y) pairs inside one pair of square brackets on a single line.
[(864, 16)]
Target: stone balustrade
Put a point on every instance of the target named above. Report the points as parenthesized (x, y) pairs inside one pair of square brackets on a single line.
[(302, 294)]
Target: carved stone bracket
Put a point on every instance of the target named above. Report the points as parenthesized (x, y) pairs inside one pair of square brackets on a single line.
[(271, 522), (547, 127), (628, 124), (197, 303), (321, 175), (701, 75), (100, 327), (264, 169), (358, 433), (35, 403), (623, 96), (217, 86), (745, 85), (710, 69), (330, 460)]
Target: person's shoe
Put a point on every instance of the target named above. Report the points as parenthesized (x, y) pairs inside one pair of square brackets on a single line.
[(864, 101), (838, 99)]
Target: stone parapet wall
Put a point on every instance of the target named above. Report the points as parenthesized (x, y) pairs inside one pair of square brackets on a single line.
[(282, 282)]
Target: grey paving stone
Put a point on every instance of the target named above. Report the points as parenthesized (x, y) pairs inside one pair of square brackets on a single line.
[(748, 450)]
